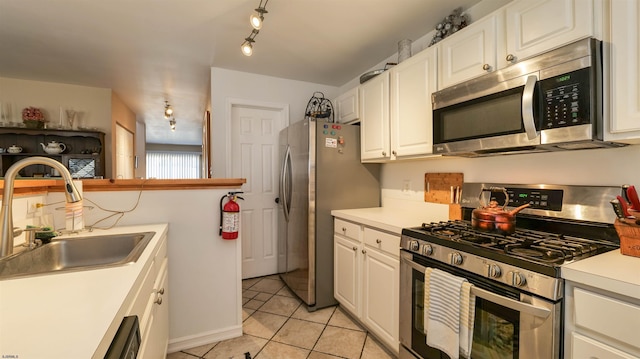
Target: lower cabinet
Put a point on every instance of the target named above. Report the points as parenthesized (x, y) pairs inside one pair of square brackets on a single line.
[(366, 278), (152, 307), (600, 324)]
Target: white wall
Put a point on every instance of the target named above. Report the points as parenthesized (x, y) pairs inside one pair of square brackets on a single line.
[(227, 84), (607, 167), (204, 270)]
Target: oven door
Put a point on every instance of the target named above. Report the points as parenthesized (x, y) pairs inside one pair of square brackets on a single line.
[(508, 324)]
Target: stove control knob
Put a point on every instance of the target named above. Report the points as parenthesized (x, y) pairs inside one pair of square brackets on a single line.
[(427, 250), (518, 279), (493, 271), (456, 259), (414, 246)]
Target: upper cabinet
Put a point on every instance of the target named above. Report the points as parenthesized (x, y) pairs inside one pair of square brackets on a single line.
[(622, 72), (374, 126), (533, 27), (472, 52), (346, 106), (395, 108), (412, 83)]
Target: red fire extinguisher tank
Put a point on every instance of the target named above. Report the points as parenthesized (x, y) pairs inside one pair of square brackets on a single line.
[(230, 216)]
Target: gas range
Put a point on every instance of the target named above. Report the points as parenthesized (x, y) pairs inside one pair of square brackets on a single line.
[(565, 224)]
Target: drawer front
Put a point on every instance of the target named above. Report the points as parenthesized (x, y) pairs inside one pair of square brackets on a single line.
[(347, 229), (608, 316), (584, 347), (386, 242)]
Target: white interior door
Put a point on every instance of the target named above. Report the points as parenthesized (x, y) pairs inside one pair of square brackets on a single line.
[(254, 154), (124, 153)]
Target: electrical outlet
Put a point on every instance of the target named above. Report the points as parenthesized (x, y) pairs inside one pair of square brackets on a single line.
[(32, 207), (406, 186)]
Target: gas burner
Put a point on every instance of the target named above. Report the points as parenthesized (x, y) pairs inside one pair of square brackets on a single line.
[(537, 253)]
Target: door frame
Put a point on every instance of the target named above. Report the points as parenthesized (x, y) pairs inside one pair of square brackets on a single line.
[(229, 104)]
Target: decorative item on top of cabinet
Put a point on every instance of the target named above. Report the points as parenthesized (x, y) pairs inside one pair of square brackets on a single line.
[(319, 107), (83, 153), (445, 188), (451, 24)]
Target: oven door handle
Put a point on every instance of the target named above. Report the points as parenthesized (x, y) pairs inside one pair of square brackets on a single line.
[(518, 306)]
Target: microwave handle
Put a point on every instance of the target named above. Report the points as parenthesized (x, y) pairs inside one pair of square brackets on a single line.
[(527, 107)]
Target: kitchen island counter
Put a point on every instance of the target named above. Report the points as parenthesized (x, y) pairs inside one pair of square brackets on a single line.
[(67, 314)]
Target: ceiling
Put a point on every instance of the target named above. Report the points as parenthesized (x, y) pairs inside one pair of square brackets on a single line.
[(149, 51)]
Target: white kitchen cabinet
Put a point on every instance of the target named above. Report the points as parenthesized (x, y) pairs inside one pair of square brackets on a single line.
[(347, 106), (366, 277), (380, 287), (395, 109), (533, 27), (151, 306), (622, 60), (472, 52), (374, 122)]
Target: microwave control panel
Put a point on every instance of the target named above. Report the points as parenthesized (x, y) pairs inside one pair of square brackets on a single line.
[(566, 99)]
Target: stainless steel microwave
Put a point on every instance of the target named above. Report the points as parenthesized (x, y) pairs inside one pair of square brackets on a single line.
[(546, 103)]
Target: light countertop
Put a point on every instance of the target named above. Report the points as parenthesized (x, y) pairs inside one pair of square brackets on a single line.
[(393, 219), (611, 271), (66, 315)]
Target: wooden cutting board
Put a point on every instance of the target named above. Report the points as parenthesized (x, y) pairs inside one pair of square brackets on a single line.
[(444, 188)]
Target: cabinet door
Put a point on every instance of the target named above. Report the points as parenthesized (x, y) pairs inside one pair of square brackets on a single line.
[(536, 26), (624, 56), (471, 53), (346, 274), (380, 296), (347, 106), (412, 83), (156, 339), (374, 118), (584, 347)]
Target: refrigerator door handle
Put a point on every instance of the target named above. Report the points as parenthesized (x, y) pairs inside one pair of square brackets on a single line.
[(285, 185)]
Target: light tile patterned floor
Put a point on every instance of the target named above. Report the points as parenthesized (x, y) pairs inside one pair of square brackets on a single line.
[(278, 326)]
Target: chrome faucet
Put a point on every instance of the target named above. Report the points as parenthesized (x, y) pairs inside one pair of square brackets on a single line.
[(6, 214)]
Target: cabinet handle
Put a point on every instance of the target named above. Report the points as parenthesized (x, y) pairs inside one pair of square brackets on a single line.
[(159, 301), (393, 152), (378, 241), (511, 58), (355, 249), (364, 251), (161, 291), (344, 229), (384, 153), (486, 67)]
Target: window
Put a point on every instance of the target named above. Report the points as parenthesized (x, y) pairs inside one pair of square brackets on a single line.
[(173, 165)]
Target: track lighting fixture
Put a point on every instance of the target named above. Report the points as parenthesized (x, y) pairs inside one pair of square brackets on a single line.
[(247, 45), (172, 124), (256, 19), (168, 111)]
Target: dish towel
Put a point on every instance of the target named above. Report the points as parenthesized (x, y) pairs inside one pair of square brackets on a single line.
[(449, 312)]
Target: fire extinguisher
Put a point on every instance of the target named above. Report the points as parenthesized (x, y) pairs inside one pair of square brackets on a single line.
[(230, 216)]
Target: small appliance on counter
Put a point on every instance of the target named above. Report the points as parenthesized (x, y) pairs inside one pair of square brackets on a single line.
[(516, 275)]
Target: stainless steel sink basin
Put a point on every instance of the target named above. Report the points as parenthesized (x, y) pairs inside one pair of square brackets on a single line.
[(81, 253)]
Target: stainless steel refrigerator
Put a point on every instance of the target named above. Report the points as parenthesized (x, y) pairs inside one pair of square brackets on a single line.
[(320, 171)]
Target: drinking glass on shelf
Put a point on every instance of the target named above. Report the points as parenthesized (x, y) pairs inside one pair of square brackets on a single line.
[(71, 116)]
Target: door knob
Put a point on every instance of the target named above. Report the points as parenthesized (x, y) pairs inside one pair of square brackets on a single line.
[(277, 199)]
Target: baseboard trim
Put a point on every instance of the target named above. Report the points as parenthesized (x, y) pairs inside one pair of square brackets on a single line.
[(197, 340)]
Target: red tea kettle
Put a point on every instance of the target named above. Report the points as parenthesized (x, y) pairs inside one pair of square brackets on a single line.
[(495, 218)]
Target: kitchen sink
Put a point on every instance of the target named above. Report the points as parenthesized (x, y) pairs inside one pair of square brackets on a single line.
[(74, 254)]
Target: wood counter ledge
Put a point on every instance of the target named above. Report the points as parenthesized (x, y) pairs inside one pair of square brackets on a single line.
[(34, 186)]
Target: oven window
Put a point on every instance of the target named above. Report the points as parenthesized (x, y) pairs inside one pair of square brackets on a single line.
[(495, 332), (496, 328)]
